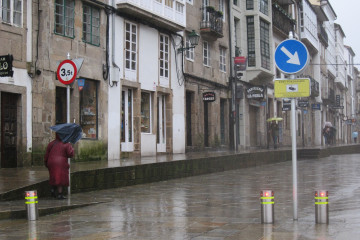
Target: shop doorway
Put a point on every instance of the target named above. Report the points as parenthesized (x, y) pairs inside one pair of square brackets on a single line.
[(188, 119), (9, 130), (253, 125), (206, 124), (127, 131), (161, 124)]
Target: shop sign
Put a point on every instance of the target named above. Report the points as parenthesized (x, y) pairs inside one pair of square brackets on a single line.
[(6, 66), (303, 103), (349, 121), (208, 96), (286, 105), (337, 107), (240, 63), (255, 92), (337, 100), (81, 83), (316, 106)]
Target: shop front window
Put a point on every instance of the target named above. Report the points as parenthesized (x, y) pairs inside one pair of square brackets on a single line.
[(89, 110)]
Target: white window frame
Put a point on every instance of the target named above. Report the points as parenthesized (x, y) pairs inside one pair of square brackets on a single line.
[(222, 8), (264, 7), (206, 54), (132, 58), (189, 51), (179, 7), (169, 3), (164, 56), (205, 14), (11, 10), (190, 2), (222, 59)]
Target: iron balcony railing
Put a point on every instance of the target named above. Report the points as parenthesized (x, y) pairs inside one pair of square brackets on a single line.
[(212, 21), (315, 86), (281, 19), (332, 95), (323, 36)]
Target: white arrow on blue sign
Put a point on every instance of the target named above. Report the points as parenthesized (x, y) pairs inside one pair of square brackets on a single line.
[(291, 56)]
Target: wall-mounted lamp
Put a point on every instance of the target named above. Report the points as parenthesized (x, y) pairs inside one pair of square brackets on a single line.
[(194, 41)]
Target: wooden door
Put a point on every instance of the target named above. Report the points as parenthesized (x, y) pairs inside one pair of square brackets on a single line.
[(8, 130)]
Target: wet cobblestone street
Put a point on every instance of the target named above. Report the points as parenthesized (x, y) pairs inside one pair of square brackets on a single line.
[(219, 206)]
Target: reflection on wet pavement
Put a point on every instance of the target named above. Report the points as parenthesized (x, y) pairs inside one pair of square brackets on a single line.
[(219, 206)]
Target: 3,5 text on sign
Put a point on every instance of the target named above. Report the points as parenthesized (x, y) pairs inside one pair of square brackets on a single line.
[(66, 72)]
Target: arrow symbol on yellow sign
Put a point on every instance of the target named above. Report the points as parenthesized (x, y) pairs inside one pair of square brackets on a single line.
[(293, 58)]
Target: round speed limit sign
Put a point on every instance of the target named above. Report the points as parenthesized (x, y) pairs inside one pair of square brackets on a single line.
[(66, 72)]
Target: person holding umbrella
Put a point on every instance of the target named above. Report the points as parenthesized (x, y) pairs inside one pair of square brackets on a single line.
[(56, 157), (274, 129)]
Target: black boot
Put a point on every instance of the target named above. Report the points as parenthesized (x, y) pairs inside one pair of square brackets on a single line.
[(53, 192), (60, 196)]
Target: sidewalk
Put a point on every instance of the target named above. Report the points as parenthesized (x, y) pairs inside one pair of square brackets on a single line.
[(18, 178)]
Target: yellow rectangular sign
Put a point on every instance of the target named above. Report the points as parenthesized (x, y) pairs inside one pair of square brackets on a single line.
[(292, 88)]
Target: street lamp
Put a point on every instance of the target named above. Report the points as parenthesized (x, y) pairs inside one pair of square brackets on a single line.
[(194, 41)]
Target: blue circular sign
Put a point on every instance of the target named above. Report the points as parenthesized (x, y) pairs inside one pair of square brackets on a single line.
[(291, 56)]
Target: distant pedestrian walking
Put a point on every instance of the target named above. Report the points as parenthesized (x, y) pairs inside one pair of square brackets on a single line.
[(355, 136), (274, 130), (326, 134), (56, 160)]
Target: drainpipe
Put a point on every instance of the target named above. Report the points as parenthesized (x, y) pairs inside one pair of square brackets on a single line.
[(29, 45), (234, 114), (114, 65)]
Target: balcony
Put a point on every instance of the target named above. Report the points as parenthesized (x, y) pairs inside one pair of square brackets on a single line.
[(340, 80), (211, 27), (308, 26), (170, 16), (281, 19), (323, 37), (328, 96), (315, 87)]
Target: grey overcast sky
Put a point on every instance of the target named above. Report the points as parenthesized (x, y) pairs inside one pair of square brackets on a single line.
[(348, 16)]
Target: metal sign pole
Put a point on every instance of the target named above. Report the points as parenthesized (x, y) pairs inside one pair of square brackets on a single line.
[(293, 147), (294, 156), (291, 58), (68, 118)]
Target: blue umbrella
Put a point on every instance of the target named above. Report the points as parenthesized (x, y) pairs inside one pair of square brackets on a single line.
[(68, 132)]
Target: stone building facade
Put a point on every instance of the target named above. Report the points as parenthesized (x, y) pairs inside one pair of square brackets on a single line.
[(207, 72)]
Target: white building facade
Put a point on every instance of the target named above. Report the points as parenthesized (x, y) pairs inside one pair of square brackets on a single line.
[(146, 101)]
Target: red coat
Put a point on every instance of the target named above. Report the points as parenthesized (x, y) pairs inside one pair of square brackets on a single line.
[(56, 160)]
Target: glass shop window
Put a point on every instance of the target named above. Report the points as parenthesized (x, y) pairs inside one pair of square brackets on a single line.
[(89, 110), (145, 112)]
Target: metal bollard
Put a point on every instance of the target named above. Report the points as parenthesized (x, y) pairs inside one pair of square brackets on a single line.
[(31, 201), (267, 206), (322, 207)]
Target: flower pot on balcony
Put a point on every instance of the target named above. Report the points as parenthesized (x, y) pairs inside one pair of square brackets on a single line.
[(219, 14), (210, 9)]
